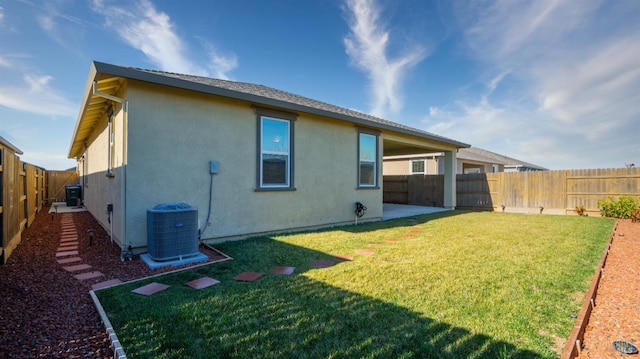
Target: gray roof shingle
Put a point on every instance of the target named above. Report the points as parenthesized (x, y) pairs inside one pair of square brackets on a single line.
[(264, 95)]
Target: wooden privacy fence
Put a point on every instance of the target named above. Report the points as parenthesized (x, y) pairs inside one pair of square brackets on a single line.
[(56, 182), (558, 192), (24, 190)]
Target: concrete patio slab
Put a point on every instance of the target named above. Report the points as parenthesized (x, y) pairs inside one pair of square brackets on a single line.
[(393, 211)]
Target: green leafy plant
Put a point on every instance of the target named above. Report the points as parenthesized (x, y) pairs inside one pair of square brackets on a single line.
[(622, 208)]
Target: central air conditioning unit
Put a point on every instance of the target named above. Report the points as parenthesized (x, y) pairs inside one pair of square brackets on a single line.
[(172, 231)]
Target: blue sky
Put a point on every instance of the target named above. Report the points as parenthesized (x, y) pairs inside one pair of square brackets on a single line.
[(555, 83)]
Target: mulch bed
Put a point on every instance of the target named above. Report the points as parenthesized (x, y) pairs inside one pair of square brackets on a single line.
[(616, 315), (46, 312)]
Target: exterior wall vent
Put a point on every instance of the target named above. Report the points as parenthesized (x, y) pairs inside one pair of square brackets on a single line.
[(172, 231)]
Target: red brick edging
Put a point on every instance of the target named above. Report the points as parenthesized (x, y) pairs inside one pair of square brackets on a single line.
[(574, 343)]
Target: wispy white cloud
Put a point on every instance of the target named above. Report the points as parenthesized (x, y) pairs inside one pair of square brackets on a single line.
[(151, 31), (36, 96), (575, 69), (4, 62), (64, 29), (367, 46)]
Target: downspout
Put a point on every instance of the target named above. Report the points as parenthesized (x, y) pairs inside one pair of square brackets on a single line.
[(125, 250)]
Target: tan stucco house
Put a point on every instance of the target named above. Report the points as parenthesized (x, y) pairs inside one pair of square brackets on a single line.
[(468, 160), (264, 159)]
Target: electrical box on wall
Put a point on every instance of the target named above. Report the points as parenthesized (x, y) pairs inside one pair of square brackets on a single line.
[(213, 167)]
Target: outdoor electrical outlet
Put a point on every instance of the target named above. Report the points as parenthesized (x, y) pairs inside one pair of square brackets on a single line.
[(214, 167)]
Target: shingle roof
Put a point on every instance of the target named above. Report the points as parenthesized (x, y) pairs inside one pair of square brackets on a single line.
[(269, 96), (482, 155)]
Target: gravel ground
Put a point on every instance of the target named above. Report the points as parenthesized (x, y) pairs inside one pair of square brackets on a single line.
[(46, 312)]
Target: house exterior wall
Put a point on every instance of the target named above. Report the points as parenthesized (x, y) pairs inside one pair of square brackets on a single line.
[(435, 165), (396, 167), (173, 134), (401, 167), (98, 188)]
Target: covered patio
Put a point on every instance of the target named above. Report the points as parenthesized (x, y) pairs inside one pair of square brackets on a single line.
[(393, 210)]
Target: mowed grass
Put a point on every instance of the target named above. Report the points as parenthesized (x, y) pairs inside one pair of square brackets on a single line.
[(454, 285)]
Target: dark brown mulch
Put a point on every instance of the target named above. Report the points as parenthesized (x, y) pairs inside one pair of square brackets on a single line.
[(46, 312)]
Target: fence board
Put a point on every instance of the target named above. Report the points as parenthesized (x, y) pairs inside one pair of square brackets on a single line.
[(56, 182), (552, 191), (22, 193), (12, 213)]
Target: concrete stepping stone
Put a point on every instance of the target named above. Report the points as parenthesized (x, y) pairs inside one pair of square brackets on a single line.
[(248, 276), (105, 284), (377, 245), (67, 254), (391, 240), (150, 289), (67, 249), (283, 270), (322, 264), (72, 239), (202, 283), (69, 260), (88, 275), (364, 251), (76, 268)]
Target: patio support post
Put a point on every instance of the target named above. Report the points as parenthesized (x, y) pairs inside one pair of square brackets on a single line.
[(450, 179)]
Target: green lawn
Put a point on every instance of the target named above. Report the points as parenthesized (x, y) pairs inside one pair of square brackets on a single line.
[(454, 285)]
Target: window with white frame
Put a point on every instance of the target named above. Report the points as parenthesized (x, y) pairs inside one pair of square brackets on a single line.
[(367, 159), (111, 139), (275, 147), (418, 167)]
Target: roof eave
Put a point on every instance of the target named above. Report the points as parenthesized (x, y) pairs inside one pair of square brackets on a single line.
[(86, 98), (135, 74)]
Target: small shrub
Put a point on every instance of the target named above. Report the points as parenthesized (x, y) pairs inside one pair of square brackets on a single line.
[(581, 211), (622, 208), (635, 215)]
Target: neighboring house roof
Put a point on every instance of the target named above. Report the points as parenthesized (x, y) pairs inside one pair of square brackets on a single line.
[(8, 144), (252, 93), (479, 155), (482, 155)]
